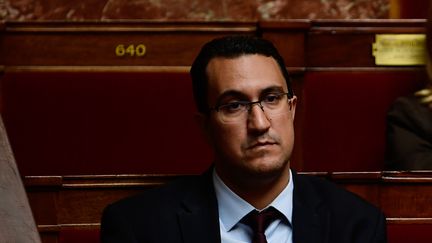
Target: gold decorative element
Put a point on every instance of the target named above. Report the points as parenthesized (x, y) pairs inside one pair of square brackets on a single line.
[(130, 50), (399, 49), (425, 96)]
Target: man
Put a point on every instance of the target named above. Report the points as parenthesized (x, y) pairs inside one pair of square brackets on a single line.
[(246, 109)]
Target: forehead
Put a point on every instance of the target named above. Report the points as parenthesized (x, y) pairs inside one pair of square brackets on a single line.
[(248, 74)]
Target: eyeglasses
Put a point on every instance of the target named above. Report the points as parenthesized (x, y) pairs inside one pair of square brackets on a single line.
[(272, 104)]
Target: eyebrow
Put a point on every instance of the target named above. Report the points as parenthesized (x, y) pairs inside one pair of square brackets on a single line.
[(240, 95), (271, 89), (230, 93)]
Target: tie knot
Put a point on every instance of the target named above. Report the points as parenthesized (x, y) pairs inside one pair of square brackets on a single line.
[(259, 221)]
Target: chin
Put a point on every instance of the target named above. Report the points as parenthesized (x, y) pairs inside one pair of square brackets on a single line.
[(267, 168)]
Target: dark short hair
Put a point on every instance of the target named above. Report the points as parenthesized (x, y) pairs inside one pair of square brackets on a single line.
[(230, 47)]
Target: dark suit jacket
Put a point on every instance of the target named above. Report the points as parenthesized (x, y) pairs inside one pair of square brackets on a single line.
[(187, 211), (409, 135)]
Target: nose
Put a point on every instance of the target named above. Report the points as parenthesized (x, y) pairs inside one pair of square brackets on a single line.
[(257, 119)]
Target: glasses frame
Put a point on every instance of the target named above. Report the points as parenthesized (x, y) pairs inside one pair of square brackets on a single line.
[(249, 104)]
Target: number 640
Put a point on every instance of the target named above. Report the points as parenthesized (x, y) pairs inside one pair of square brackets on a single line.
[(131, 50)]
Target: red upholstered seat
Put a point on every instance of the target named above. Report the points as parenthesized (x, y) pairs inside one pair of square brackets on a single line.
[(79, 235), (404, 233), (72, 123), (345, 111)]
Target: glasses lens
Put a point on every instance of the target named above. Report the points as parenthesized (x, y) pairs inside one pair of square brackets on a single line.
[(273, 105), (233, 112)]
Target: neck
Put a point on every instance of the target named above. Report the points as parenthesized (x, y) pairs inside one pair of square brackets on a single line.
[(259, 192)]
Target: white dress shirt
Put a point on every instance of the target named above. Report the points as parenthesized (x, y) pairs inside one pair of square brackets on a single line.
[(232, 209)]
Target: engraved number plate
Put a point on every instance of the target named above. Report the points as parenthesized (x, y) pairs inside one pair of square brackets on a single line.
[(399, 49)]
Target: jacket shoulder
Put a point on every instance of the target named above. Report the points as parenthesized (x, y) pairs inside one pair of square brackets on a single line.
[(146, 216), (349, 217), (334, 196), (165, 196), (346, 216)]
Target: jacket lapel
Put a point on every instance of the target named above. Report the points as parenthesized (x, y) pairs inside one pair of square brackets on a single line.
[(198, 217), (311, 219)]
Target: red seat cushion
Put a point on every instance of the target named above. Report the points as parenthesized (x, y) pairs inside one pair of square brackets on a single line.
[(404, 233), (75, 235)]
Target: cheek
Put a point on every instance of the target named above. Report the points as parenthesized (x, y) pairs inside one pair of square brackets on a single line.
[(284, 128), (228, 138), (287, 135)]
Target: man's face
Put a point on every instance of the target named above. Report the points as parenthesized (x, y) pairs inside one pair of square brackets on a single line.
[(259, 145)]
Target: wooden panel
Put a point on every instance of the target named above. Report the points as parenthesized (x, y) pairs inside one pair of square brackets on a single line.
[(406, 195), (87, 43), (349, 43), (81, 198), (289, 38), (398, 204)]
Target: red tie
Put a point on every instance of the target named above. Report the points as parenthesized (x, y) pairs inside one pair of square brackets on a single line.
[(259, 221)]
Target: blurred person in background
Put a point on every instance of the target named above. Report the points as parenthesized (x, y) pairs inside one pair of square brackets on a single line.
[(409, 123)]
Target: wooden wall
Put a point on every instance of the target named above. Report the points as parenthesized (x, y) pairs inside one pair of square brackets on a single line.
[(91, 120)]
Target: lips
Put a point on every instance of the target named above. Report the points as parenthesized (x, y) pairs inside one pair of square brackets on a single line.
[(259, 144)]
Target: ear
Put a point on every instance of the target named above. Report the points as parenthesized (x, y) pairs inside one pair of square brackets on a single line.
[(293, 105), (202, 121)]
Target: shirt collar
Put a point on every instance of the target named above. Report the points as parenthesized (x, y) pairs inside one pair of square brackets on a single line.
[(233, 208)]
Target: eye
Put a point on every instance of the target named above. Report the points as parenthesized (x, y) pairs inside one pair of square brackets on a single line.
[(232, 107), (272, 98)]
